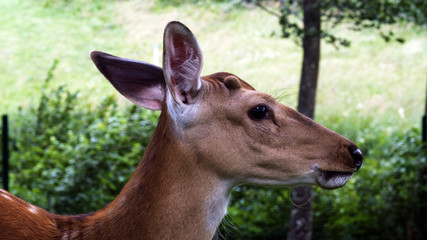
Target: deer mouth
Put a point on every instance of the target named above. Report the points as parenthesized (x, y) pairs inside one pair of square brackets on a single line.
[(332, 179)]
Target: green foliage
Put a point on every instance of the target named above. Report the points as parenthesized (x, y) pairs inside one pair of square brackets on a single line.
[(256, 213), (71, 157), (388, 190), (357, 14)]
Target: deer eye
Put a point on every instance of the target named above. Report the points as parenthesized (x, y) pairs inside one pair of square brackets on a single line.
[(259, 112)]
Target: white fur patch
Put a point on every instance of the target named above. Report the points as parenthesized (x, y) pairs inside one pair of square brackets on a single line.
[(181, 114), (301, 180), (331, 179), (217, 206), (188, 70)]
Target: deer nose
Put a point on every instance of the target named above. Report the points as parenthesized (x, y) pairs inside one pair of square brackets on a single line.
[(357, 156)]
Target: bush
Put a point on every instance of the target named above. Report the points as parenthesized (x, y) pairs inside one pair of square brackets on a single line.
[(385, 201), (70, 157), (257, 213)]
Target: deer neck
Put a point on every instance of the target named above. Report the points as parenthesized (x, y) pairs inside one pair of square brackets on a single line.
[(168, 197)]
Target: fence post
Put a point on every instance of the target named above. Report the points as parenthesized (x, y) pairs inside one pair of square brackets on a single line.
[(5, 142), (423, 217), (424, 122)]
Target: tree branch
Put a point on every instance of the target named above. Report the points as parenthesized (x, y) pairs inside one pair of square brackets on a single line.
[(258, 4)]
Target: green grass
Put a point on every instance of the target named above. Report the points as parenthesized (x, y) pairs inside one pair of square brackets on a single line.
[(374, 81), (32, 37)]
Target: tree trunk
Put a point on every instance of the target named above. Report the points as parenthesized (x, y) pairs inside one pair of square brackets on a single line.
[(301, 214)]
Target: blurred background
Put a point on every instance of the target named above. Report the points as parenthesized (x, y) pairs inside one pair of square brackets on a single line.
[(74, 142)]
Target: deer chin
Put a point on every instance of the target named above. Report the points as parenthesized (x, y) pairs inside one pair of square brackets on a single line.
[(331, 179)]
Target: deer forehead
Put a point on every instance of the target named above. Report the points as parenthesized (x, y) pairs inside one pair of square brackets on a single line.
[(223, 97)]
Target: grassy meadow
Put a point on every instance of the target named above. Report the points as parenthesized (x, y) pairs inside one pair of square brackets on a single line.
[(369, 92)]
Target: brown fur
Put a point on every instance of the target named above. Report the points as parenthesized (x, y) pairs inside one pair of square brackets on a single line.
[(17, 222)]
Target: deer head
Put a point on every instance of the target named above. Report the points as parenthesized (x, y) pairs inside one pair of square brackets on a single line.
[(241, 134)]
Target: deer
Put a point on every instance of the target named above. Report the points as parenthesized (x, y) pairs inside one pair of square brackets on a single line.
[(214, 133)]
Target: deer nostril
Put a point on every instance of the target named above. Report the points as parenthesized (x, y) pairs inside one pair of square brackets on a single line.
[(357, 156)]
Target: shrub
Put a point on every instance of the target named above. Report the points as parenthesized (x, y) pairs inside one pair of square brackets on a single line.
[(257, 213), (71, 157), (385, 199)]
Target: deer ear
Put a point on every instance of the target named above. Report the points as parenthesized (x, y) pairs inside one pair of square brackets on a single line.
[(140, 82), (182, 62)]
